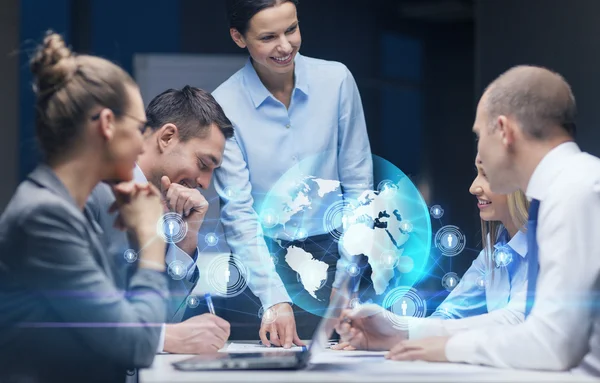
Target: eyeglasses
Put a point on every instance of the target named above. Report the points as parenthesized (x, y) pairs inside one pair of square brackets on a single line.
[(144, 125)]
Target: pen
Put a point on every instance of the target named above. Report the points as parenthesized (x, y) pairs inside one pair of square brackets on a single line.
[(209, 303)]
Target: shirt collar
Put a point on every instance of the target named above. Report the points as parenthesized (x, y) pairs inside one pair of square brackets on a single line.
[(548, 168), (138, 175), (259, 93), (518, 243)]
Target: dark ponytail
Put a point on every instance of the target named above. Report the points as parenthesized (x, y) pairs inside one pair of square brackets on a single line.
[(240, 12)]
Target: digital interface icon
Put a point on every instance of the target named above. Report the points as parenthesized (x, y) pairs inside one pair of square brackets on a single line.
[(227, 275), (211, 239), (192, 301), (450, 280), (402, 302), (353, 269), (130, 255), (171, 227), (450, 240), (267, 316), (177, 270), (336, 218), (502, 257), (269, 218), (436, 211)]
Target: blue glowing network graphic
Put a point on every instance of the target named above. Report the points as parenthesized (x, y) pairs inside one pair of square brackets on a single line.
[(171, 227), (502, 257), (404, 302), (177, 270), (388, 222), (450, 240), (130, 255), (450, 280), (211, 239), (192, 301), (227, 275)]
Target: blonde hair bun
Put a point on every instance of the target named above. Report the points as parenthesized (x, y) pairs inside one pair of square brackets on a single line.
[(52, 65)]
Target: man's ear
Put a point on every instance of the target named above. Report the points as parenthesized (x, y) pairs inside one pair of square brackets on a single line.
[(507, 130), (167, 136), (237, 38)]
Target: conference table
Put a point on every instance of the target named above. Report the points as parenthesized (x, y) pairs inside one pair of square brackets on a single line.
[(354, 366)]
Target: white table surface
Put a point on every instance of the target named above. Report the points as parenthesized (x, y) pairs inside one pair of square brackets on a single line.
[(354, 366)]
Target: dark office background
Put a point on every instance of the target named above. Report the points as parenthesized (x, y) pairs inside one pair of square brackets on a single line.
[(420, 66)]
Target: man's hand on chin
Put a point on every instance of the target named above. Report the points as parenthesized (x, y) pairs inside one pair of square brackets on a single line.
[(191, 205)]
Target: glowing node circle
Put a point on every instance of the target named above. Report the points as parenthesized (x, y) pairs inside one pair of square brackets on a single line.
[(388, 259), (177, 270), (171, 227), (405, 264), (450, 240), (387, 188), (450, 280), (275, 260), (337, 217), (227, 276), (301, 234), (403, 302), (192, 301), (502, 257), (267, 316), (269, 219), (211, 239), (354, 303), (353, 269), (436, 211), (406, 226), (480, 282), (130, 255), (230, 193)]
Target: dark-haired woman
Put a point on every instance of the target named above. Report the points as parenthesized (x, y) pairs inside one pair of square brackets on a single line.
[(61, 317), (288, 110)]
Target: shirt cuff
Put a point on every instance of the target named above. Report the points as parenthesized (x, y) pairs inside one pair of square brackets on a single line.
[(462, 347), (340, 270), (275, 296), (161, 340)]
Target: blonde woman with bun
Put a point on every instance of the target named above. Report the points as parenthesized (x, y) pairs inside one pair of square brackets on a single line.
[(61, 317), (492, 291)]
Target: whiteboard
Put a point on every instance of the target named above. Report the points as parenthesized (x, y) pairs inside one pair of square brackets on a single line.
[(156, 73)]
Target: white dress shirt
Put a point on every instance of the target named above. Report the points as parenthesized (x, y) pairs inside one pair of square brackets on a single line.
[(173, 253), (562, 332), (501, 300)]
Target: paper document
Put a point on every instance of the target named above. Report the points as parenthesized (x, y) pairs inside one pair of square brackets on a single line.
[(254, 347)]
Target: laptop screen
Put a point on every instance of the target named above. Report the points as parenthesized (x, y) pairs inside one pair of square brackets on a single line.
[(331, 317)]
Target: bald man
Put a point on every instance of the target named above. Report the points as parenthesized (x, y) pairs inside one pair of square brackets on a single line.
[(525, 125)]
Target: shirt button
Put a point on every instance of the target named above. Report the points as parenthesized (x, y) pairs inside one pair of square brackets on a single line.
[(294, 158), (288, 126)]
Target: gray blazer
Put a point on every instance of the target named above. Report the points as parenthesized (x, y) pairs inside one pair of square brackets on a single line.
[(117, 242), (61, 316)]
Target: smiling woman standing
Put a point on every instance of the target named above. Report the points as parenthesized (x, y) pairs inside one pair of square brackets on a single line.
[(286, 108)]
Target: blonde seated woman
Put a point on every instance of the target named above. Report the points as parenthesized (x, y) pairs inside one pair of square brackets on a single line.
[(492, 291)]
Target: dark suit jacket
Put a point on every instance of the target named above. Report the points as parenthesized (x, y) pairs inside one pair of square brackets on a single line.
[(117, 243), (61, 316)]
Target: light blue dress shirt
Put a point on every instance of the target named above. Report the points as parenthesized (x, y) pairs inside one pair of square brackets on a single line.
[(504, 286), (323, 130)]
